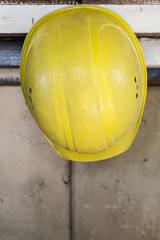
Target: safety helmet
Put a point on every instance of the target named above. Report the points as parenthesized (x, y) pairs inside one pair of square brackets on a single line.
[(83, 76)]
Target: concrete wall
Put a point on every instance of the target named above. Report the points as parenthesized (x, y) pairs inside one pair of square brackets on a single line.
[(34, 200), (115, 199), (119, 198)]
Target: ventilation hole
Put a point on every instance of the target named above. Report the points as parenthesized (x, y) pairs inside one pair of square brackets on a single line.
[(136, 95), (135, 79), (30, 90), (137, 87)]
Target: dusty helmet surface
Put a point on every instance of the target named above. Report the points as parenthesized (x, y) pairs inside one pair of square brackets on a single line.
[(83, 76)]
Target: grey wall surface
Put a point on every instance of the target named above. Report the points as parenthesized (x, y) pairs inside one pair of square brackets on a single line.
[(34, 200), (119, 198), (115, 199)]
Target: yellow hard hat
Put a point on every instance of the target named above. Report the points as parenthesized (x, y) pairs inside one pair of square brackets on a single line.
[(83, 76)]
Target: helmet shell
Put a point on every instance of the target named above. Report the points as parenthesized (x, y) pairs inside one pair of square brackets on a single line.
[(83, 76)]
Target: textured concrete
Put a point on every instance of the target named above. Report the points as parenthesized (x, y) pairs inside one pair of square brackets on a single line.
[(34, 181), (119, 198), (39, 2), (120, 1)]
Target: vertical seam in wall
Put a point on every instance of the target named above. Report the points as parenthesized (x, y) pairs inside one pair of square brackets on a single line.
[(70, 202)]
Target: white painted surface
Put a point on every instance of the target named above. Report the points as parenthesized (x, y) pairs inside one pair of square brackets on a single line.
[(9, 74), (20, 18), (151, 51)]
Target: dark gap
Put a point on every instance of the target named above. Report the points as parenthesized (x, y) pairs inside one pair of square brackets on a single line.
[(70, 202), (153, 76), (11, 84), (148, 35)]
